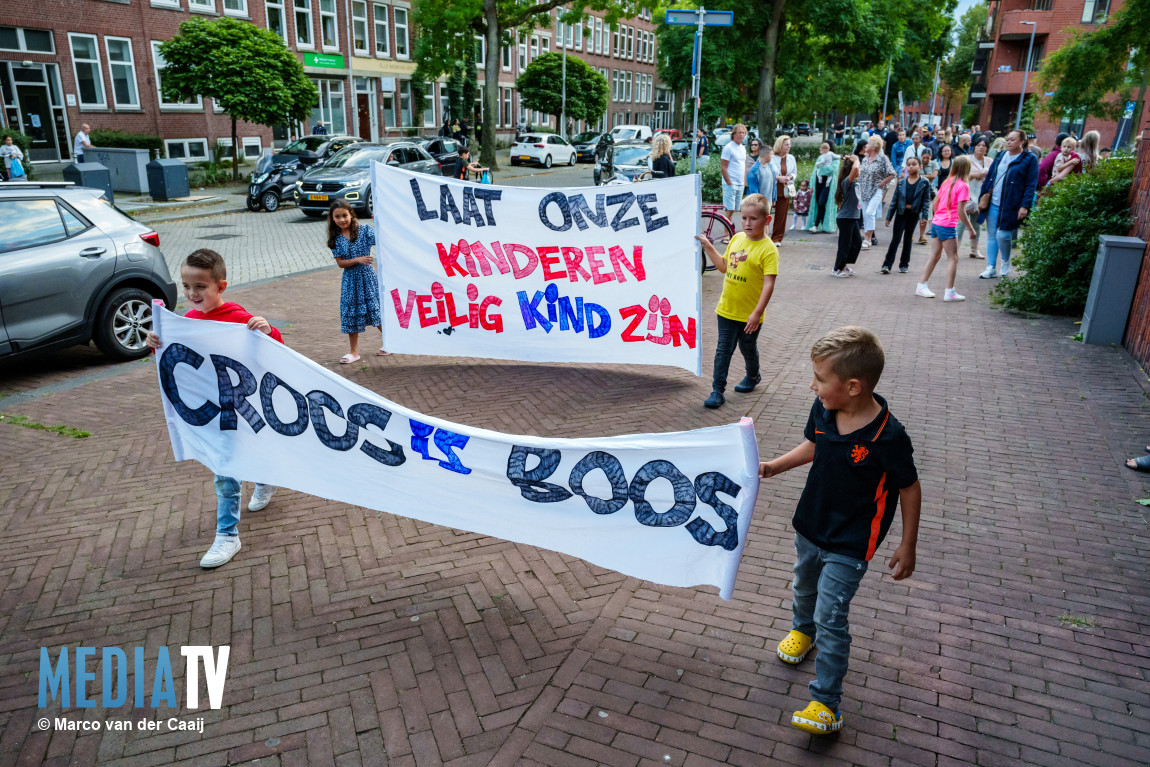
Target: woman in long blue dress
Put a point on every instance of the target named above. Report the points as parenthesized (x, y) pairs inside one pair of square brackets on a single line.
[(351, 244)]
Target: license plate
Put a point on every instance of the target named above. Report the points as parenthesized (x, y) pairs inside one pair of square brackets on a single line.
[(317, 197), (526, 157)]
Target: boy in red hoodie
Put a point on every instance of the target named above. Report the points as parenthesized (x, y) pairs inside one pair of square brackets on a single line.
[(204, 277)]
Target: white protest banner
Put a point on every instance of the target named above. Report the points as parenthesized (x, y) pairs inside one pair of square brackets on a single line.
[(595, 274), (669, 508)]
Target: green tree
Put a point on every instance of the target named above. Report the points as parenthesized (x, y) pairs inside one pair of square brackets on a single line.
[(448, 27), (957, 70), (247, 71), (540, 88), (1095, 72)]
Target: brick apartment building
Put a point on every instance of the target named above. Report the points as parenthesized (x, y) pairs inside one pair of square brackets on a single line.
[(68, 62), (1001, 61)]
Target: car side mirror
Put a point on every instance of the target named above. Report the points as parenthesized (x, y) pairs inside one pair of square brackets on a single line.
[(308, 157)]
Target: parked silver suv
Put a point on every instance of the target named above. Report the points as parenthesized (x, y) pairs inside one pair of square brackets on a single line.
[(73, 269)]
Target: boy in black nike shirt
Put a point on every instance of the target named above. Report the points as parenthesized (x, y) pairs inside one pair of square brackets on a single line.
[(863, 466)]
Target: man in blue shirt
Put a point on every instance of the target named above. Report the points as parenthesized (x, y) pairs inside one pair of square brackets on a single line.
[(898, 151)]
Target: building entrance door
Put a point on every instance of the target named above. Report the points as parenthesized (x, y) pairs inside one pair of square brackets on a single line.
[(365, 113), (36, 112)]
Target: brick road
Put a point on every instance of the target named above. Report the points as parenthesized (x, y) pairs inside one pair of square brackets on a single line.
[(368, 639)]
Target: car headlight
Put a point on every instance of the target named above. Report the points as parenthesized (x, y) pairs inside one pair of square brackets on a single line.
[(261, 178), (352, 184)]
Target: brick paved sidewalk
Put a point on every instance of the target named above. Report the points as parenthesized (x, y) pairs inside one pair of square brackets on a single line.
[(364, 638)]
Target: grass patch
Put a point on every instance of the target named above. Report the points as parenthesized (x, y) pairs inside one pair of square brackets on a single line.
[(65, 431), (1076, 621)]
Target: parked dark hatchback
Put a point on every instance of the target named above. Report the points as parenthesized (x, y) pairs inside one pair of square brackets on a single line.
[(445, 151), (347, 176), (585, 144), (323, 146)]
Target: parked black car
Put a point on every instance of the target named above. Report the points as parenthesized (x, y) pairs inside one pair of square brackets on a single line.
[(585, 144), (680, 148), (324, 147), (444, 149), (803, 129), (347, 176)]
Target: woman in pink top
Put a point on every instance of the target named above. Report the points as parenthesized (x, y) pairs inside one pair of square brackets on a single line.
[(949, 209)]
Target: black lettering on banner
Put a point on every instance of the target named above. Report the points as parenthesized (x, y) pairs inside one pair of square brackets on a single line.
[(172, 356), (233, 397), (530, 482), (268, 386), (650, 212), (613, 470), (317, 400), (559, 199), (627, 199), (707, 485), (684, 495), (447, 203), (579, 209), (487, 195), (363, 414), (421, 209)]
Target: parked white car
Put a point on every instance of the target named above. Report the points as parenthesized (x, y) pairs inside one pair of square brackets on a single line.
[(631, 133), (545, 149)]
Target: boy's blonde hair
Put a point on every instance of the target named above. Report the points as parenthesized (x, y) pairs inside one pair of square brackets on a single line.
[(209, 260), (756, 200), (854, 352)]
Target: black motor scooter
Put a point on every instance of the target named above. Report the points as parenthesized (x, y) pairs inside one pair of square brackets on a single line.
[(273, 184)]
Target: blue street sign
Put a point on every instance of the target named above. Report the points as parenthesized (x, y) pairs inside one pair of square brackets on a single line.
[(690, 18), (1129, 112)]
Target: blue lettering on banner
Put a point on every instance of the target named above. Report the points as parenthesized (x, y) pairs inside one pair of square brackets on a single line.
[(445, 440), (533, 487), (594, 317)]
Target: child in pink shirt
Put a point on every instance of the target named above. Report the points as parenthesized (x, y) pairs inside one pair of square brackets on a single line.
[(949, 209)]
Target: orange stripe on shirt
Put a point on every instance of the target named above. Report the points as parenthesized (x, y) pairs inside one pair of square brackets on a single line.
[(881, 426), (876, 521)]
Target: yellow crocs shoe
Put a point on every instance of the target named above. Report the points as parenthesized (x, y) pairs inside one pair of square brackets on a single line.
[(817, 719), (794, 647)]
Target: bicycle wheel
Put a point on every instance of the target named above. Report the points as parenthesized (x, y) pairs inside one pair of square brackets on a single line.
[(718, 230)]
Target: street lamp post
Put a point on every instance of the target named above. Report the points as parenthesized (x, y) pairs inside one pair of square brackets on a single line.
[(1025, 73)]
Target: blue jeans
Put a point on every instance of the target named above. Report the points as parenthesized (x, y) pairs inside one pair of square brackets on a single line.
[(228, 492), (732, 334), (824, 586), (997, 240)]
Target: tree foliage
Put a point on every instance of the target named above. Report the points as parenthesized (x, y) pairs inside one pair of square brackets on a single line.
[(1090, 70), (540, 87), (246, 70), (957, 69)]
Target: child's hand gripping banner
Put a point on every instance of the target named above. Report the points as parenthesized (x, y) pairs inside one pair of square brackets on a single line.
[(594, 274), (669, 508)]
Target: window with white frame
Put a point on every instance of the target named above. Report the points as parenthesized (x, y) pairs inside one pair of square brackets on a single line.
[(187, 149), (569, 36), (250, 146), (444, 101), (329, 25), (382, 34), (507, 58), (277, 21), (522, 53), (429, 106), (507, 106), (359, 27), (522, 111), (30, 40), (86, 66), (579, 36), (631, 43), (598, 36), (480, 51), (534, 47), (401, 41), (236, 7), (303, 30), (615, 42), (202, 5), (559, 32), (614, 84), (166, 3), (545, 44), (122, 68), (158, 65), (630, 82)]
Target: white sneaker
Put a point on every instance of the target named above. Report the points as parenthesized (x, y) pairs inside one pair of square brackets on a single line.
[(923, 290), (866, 245), (261, 497), (813, 229), (989, 274), (951, 295), (836, 273), (224, 548), (1004, 269)]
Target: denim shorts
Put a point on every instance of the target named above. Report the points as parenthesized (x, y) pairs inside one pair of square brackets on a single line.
[(732, 196), (943, 233)]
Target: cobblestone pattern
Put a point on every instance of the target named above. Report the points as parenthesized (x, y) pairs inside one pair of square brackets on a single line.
[(368, 639)]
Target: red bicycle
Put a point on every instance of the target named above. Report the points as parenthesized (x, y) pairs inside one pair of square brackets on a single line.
[(717, 228)]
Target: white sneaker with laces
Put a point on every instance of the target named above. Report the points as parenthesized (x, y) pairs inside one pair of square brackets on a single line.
[(923, 290), (989, 274), (223, 549), (1004, 269), (261, 497), (951, 295)]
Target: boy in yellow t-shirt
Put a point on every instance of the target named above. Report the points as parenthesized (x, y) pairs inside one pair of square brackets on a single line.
[(749, 268)]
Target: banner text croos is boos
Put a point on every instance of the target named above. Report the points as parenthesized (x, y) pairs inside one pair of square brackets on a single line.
[(561, 275), (670, 508)]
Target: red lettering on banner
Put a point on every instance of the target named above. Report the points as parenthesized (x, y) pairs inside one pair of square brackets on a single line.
[(485, 259), (619, 257), (596, 265), (403, 312), (636, 313), (450, 259), (423, 307), (532, 260), (490, 323), (453, 318), (573, 257), (547, 257)]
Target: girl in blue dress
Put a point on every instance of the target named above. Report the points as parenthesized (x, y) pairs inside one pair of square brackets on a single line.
[(350, 244)]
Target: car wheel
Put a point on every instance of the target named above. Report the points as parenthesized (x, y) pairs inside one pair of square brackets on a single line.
[(573, 159), (547, 161), (312, 213), (271, 201), (369, 206), (122, 323), (514, 161), (253, 204)]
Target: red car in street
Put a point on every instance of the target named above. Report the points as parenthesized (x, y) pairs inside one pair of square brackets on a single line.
[(672, 132)]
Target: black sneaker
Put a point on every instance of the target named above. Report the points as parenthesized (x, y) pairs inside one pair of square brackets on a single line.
[(886, 270), (715, 400), (746, 385)]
